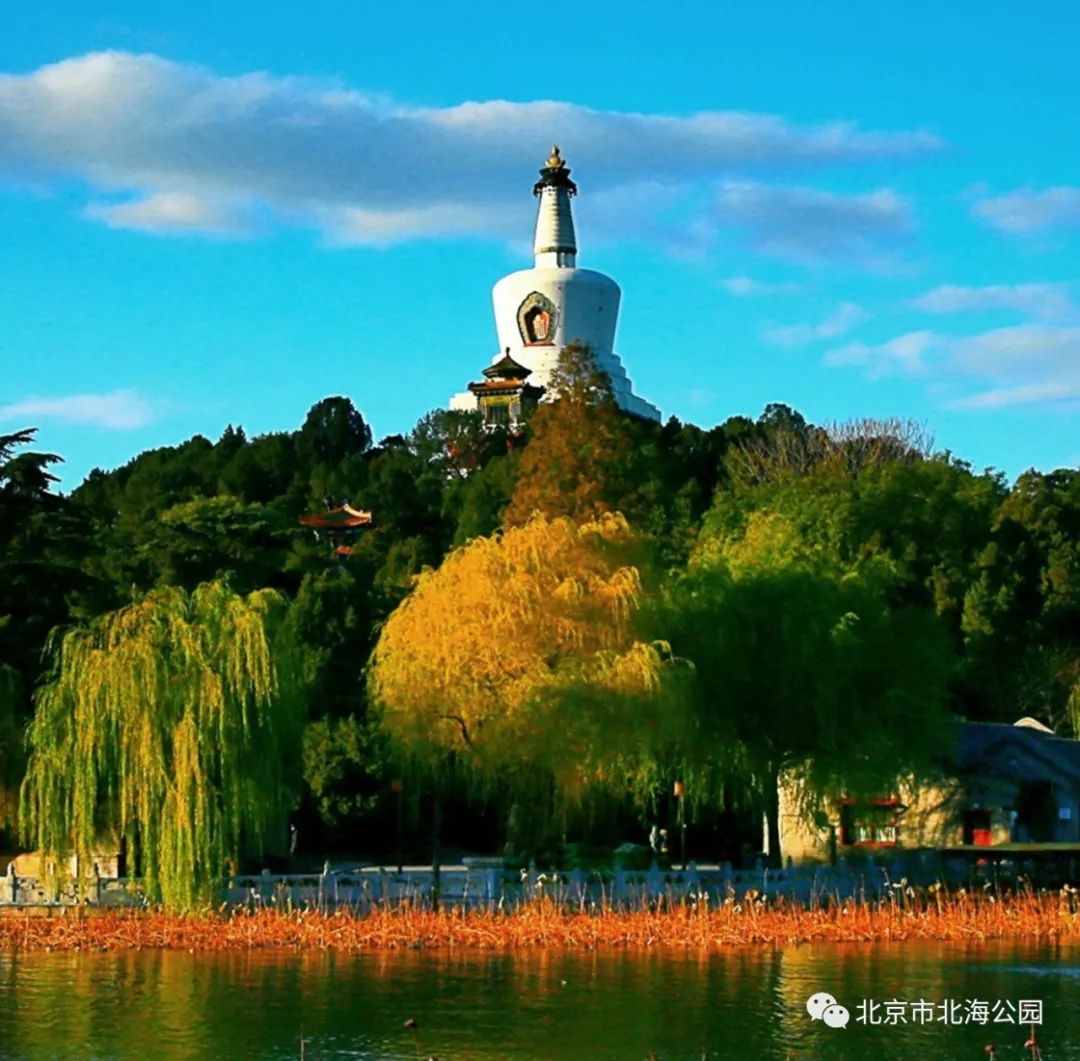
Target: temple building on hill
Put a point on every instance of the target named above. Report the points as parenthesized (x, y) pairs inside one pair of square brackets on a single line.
[(538, 311), (504, 397)]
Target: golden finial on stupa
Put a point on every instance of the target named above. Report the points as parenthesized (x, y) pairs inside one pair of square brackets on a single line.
[(555, 160)]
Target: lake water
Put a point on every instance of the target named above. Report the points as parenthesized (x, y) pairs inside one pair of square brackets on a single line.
[(747, 1004)]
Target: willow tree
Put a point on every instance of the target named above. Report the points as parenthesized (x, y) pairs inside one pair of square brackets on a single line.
[(808, 668), (522, 655), (171, 723)]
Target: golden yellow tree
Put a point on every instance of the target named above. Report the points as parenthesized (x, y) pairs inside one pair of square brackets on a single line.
[(522, 652), (574, 463)]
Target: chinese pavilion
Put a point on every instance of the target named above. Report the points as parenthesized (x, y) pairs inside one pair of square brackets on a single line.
[(505, 398), (339, 526)]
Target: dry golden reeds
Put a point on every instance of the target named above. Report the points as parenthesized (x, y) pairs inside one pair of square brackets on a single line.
[(696, 923)]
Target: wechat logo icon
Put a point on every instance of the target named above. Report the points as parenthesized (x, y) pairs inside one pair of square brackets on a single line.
[(823, 1007)]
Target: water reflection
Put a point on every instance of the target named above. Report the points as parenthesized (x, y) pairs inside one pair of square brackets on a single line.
[(741, 1004)]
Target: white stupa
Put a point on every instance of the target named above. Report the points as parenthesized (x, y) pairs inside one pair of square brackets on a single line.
[(538, 311)]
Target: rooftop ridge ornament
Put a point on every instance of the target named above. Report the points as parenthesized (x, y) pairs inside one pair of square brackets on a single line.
[(555, 160)]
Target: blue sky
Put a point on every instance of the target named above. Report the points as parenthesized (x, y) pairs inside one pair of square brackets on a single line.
[(221, 213)]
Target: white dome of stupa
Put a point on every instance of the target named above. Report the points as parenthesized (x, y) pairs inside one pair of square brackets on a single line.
[(540, 310)]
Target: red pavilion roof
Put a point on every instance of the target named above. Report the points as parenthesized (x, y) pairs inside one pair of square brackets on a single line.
[(341, 518)]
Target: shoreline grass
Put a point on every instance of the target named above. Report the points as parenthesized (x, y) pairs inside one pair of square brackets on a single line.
[(753, 920)]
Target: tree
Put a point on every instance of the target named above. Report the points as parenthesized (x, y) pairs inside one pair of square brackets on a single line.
[(12, 759), (343, 753), (929, 519), (213, 538), (23, 476), (261, 470), (333, 431), (477, 503), (1021, 614), (671, 476), (520, 654), (785, 446), (867, 528), (455, 442), (173, 724), (344, 769), (29, 516), (38, 545), (804, 669), (574, 462)]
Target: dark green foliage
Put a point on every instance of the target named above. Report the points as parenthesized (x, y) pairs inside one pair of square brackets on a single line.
[(215, 538), (25, 479), (346, 768), (40, 543), (1021, 615), (804, 667), (333, 432)]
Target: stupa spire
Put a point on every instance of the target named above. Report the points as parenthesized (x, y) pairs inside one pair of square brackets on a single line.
[(555, 243)]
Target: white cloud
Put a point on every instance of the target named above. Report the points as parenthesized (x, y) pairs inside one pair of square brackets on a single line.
[(119, 410), (366, 167), (843, 320), (1024, 394), (1024, 351), (354, 224), (811, 226), (1029, 364), (745, 286), (170, 213), (904, 354), (1042, 301), (1027, 211)]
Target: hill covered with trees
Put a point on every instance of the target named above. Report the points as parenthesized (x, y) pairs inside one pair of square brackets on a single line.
[(562, 622)]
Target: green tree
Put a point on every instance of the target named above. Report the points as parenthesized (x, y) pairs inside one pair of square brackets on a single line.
[(333, 431), (259, 471), (12, 759), (171, 723), (805, 669), (858, 492), (1021, 614), (24, 477), (39, 546), (346, 770), (823, 606), (672, 473), (477, 503), (214, 538), (344, 756), (456, 443)]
